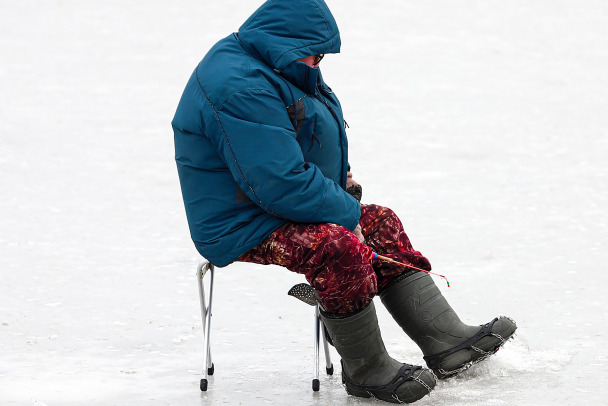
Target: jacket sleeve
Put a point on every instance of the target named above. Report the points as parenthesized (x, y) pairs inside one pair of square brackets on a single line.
[(256, 139)]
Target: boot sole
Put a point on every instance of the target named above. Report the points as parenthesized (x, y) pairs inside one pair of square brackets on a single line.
[(478, 356), (363, 391)]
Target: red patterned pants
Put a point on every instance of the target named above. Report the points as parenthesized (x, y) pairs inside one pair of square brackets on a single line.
[(335, 263)]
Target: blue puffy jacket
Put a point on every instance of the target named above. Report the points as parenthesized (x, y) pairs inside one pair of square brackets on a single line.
[(259, 137)]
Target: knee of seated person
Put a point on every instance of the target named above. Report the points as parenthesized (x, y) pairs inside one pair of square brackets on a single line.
[(351, 294), (387, 212), (377, 212), (338, 242)]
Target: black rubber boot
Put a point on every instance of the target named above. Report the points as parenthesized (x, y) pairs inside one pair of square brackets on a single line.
[(367, 369), (449, 346)]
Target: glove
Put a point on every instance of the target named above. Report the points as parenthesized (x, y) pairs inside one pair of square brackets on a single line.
[(356, 192)]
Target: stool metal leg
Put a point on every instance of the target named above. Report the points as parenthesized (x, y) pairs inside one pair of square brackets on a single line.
[(315, 380), (208, 367), (329, 367)]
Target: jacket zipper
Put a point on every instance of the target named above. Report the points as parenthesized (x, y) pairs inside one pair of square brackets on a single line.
[(321, 98)]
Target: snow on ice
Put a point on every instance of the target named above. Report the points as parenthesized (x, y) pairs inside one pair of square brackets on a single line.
[(481, 123)]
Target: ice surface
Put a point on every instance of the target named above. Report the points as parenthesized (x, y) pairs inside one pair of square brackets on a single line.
[(483, 124)]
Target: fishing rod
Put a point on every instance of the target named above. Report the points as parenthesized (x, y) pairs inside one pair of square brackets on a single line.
[(387, 259)]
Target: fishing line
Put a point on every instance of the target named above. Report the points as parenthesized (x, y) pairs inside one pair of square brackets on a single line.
[(387, 259)]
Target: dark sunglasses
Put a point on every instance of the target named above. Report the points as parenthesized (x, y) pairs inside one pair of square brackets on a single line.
[(318, 59)]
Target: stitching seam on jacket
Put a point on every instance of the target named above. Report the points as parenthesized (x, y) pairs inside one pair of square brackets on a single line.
[(250, 89), (217, 117), (323, 202)]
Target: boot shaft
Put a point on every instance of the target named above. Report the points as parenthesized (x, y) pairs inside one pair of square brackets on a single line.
[(358, 340), (420, 309)]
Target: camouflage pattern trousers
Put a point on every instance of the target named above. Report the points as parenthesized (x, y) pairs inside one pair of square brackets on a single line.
[(341, 268)]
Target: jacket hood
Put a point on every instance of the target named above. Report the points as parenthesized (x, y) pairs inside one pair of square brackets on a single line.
[(282, 31)]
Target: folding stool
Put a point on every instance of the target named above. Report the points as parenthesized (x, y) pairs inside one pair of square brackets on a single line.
[(209, 367)]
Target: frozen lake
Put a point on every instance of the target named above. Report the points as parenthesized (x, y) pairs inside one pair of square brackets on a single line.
[(483, 124)]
